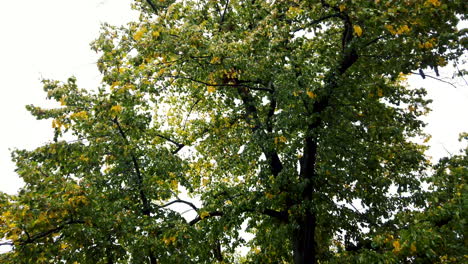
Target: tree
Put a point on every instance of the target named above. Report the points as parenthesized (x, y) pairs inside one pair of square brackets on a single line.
[(278, 116)]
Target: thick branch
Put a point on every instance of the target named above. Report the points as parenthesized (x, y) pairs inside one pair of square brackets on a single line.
[(252, 117), (48, 232), (211, 214), (179, 145)]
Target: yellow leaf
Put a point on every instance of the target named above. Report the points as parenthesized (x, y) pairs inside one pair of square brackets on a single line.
[(311, 94), (413, 247), (427, 139), (62, 100), (116, 109), (396, 246), (441, 61), (211, 89), (403, 29), (169, 240), (357, 30), (174, 184), (205, 181), (204, 214), (379, 92), (428, 45), (156, 34), (215, 60), (391, 29), (342, 7), (139, 34)]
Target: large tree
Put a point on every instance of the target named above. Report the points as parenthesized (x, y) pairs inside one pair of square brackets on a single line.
[(288, 119)]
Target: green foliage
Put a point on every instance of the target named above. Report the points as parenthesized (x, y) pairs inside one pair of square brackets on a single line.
[(281, 116)]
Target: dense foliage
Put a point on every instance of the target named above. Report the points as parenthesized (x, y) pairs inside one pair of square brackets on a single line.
[(290, 120)]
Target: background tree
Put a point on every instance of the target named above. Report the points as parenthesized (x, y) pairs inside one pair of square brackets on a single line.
[(291, 117)]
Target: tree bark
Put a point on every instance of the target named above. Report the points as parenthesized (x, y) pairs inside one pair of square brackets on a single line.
[(304, 244)]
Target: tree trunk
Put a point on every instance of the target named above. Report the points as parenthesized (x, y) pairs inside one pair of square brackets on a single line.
[(304, 244)]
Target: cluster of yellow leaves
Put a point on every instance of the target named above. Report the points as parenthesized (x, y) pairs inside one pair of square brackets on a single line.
[(435, 3), (76, 201), (83, 158), (139, 34), (428, 44), (174, 185), (116, 109), (169, 240), (215, 60), (402, 77), (80, 115), (441, 61), (293, 12), (211, 89), (398, 31), (280, 139), (231, 73), (56, 123), (155, 34), (396, 246)]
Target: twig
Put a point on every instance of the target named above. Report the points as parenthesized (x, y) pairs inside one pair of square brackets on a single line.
[(435, 78)]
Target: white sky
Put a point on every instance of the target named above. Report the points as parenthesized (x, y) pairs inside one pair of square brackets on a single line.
[(49, 39)]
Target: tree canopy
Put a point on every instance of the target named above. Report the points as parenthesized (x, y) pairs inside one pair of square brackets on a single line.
[(290, 120)]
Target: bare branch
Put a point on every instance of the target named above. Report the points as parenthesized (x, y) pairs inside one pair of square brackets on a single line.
[(180, 201), (435, 78)]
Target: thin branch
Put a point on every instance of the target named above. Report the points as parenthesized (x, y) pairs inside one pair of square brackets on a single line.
[(180, 201), (314, 22), (48, 232), (144, 200), (224, 13), (179, 145), (435, 78), (189, 113), (152, 6)]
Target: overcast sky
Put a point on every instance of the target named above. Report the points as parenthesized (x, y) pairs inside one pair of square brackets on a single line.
[(50, 39)]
